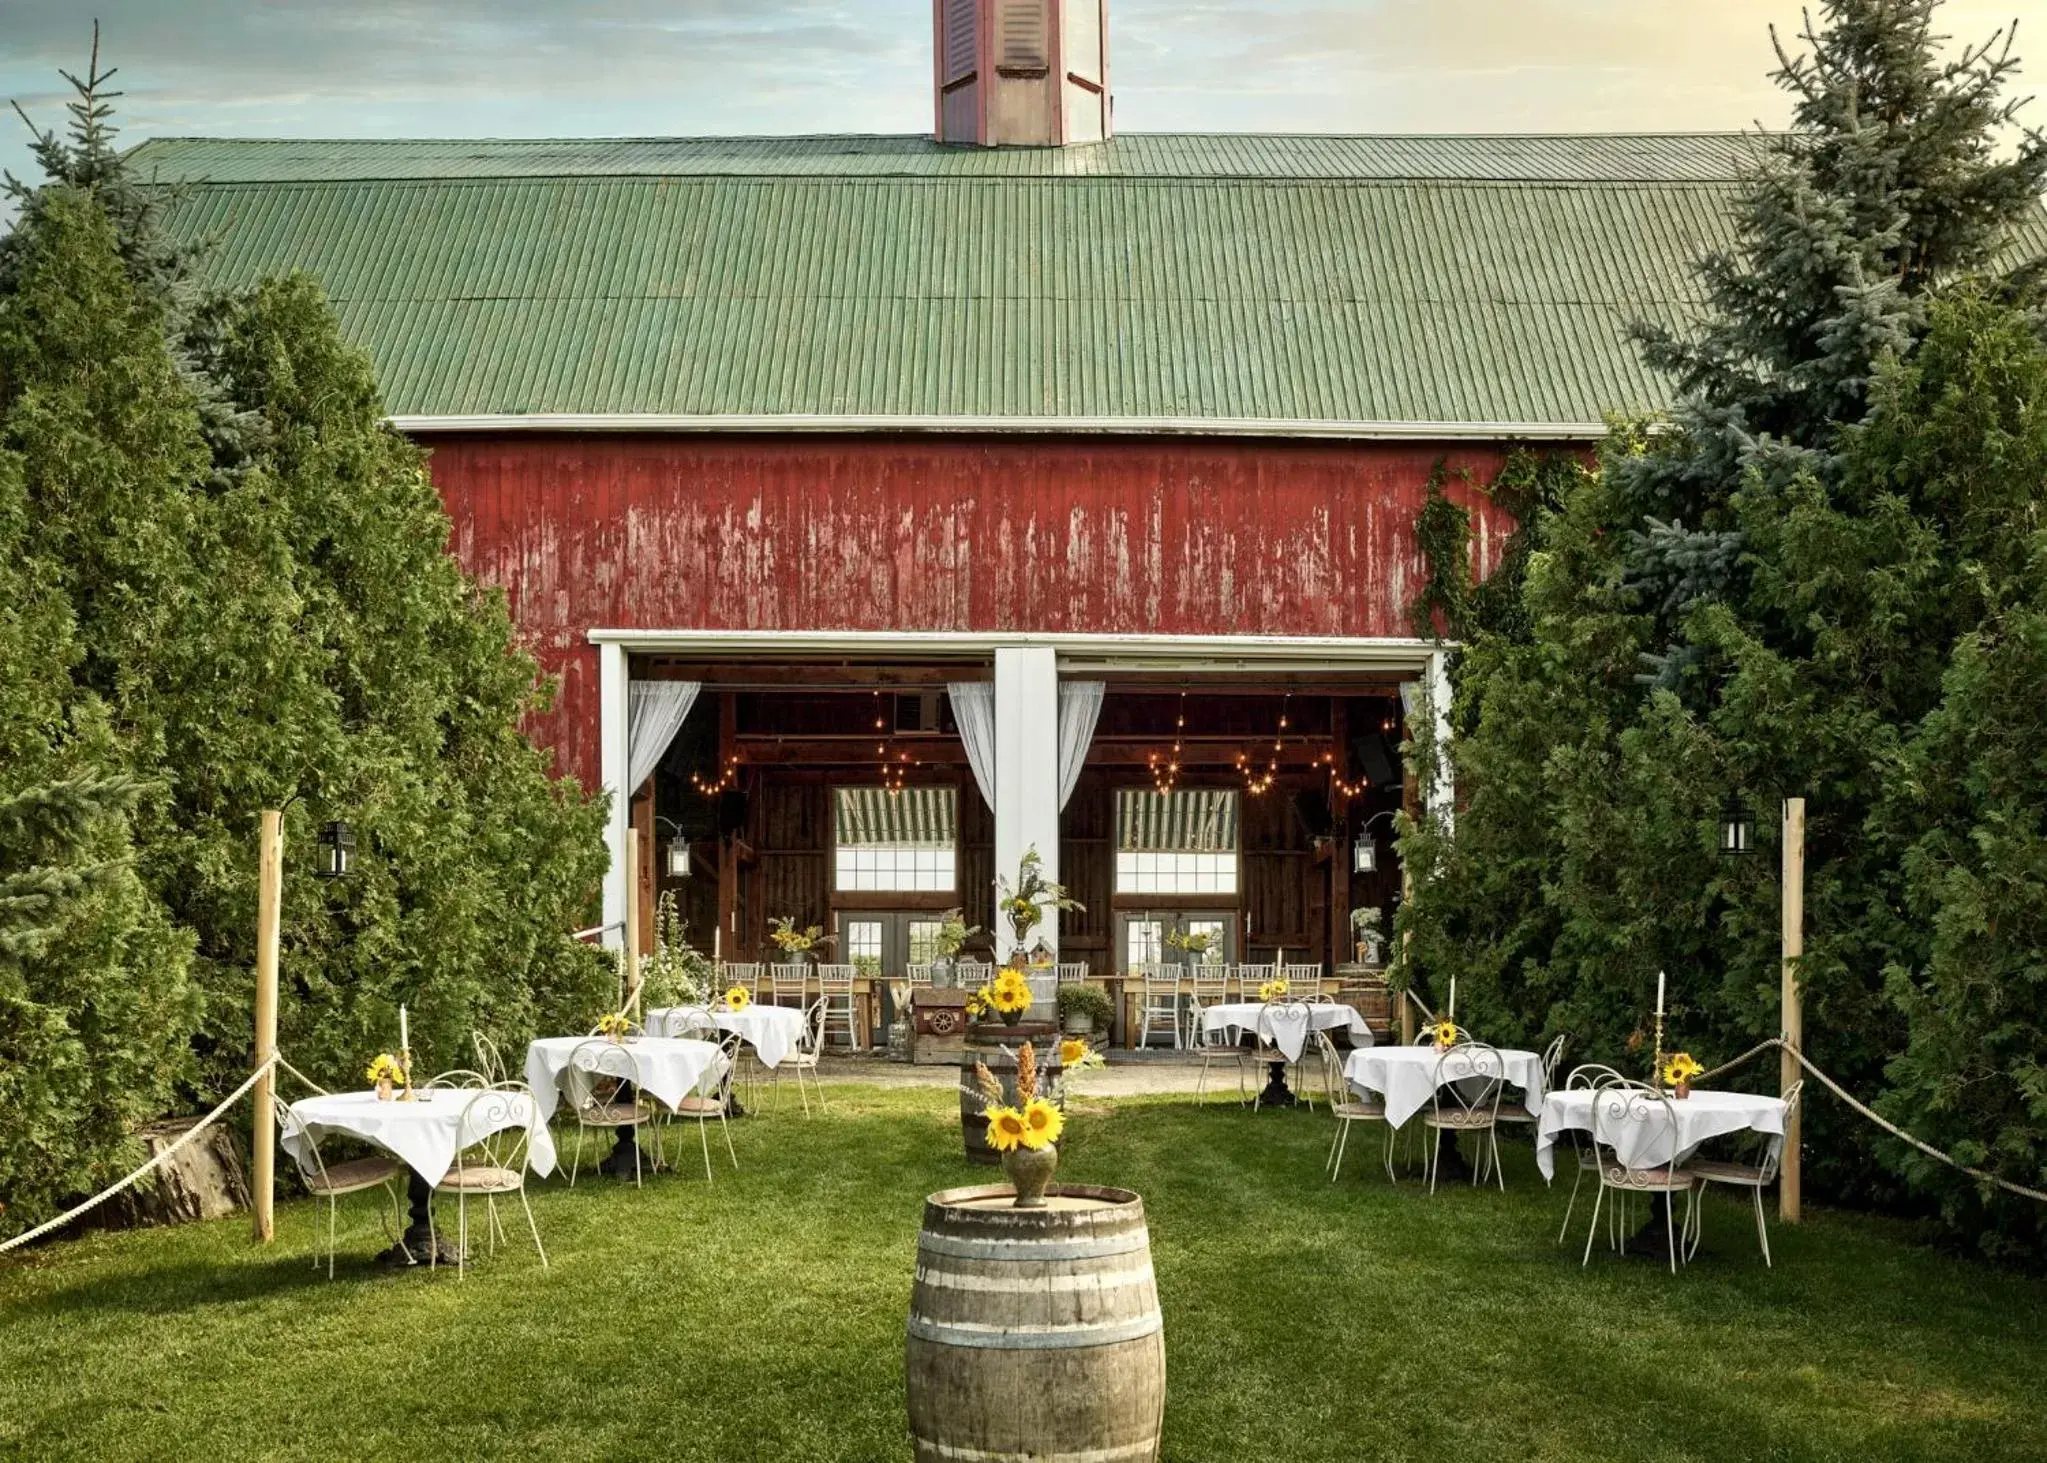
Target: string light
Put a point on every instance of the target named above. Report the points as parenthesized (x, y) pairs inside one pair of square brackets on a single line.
[(1165, 768), (895, 767), (1257, 784), (725, 779)]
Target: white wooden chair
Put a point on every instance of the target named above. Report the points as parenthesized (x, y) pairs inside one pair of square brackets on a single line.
[(1469, 1079), (1755, 1177), (1210, 986), (789, 984), (1160, 1003), (836, 983), (1347, 1107), (1250, 977), (749, 973), (331, 1183), (494, 1165), (1303, 983), (1073, 972), (919, 976)]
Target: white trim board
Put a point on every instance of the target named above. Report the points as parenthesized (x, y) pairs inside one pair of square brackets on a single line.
[(1077, 651)]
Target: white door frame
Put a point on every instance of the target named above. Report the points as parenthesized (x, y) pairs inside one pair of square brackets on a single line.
[(1028, 717)]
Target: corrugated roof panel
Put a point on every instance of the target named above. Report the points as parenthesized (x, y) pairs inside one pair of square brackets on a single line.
[(1014, 294)]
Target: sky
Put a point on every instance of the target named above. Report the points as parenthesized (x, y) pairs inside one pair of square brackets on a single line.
[(527, 68)]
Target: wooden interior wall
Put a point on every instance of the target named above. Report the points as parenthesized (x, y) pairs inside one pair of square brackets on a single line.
[(789, 829), (1285, 890), (1087, 867)]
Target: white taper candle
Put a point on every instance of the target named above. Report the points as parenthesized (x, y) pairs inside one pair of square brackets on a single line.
[(404, 1032)]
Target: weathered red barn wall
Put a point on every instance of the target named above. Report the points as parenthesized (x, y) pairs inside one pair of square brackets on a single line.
[(1107, 534)]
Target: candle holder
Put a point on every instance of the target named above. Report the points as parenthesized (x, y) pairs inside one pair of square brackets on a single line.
[(1656, 1070), (405, 1064)]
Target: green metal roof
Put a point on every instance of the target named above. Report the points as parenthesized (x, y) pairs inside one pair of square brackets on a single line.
[(1336, 280)]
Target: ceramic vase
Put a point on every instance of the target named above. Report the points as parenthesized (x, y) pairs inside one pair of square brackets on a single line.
[(1030, 1170)]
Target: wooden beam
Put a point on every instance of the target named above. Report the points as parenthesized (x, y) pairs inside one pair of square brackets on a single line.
[(723, 944), (269, 899), (1339, 824), (1788, 1172)]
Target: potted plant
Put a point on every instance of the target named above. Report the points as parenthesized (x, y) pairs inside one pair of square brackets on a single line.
[(1365, 932), (953, 934), (1023, 904), (800, 946), (1084, 1009), (1197, 945)]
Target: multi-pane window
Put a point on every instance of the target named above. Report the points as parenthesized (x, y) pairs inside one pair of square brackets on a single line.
[(924, 941), (896, 840), (1178, 842)]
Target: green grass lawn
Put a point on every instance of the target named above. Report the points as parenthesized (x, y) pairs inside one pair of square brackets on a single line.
[(762, 1318)]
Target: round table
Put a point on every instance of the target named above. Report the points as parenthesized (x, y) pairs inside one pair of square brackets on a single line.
[(1654, 1144), (670, 1068), (772, 1031), (1406, 1076), (425, 1134), (1285, 1026)]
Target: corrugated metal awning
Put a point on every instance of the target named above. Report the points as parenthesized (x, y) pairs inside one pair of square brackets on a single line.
[(915, 817), (1185, 820)]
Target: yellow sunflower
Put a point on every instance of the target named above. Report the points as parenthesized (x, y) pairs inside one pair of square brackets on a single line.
[(737, 999), (1446, 1033), (1042, 1123), (1008, 1129), (1679, 1067), (385, 1068), (1012, 995), (1072, 1052)]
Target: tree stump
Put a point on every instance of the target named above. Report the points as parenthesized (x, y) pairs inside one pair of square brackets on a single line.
[(206, 1180)]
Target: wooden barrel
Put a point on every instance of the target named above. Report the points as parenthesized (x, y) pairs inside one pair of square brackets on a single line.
[(1035, 1333), (984, 1045)]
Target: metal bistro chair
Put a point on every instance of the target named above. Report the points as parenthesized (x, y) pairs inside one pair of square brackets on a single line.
[(459, 1079), (1590, 1077), (1637, 1115), (1552, 1055), (489, 1060), (836, 982), (802, 1057), (1469, 1079), (492, 1164), (1268, 1053), (595, 1081), (1214, 1048), (788, 984), (322, 1182), (1755, 1177), (1348, 1108), (712, 1098), (1161, 1003)]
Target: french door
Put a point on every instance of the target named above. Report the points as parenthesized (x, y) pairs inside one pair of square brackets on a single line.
[(1142, 937), (883, 944)]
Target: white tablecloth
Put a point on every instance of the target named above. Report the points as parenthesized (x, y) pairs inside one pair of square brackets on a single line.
[(1648, 1144), (1285, 1024), (665, 1067), (427, 1132), (1406, 1077), (772, 1031)]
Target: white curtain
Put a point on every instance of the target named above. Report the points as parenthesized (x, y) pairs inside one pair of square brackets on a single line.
[(973, 708), (654, 713), (1080, 705)]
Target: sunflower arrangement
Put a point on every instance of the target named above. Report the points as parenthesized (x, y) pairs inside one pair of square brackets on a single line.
[(1075, 1055), (737, 999), (385, 1068), (1024, 903), (1007, 996), (1678, 1071), (1446, 1035), (1033, 1123), (1272, 990), (615, 1024), (792, 941)]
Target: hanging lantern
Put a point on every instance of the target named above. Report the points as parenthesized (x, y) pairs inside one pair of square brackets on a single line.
[(1364, 855), (678, 858), (1737, 828), (334, 851)]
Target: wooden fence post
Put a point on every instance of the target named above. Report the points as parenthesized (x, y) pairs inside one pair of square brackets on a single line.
[(263, 1145), (1794, 1009)]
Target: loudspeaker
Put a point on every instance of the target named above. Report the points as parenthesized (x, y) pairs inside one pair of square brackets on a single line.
[(1312, 808), (1372, 756), (731, 811)]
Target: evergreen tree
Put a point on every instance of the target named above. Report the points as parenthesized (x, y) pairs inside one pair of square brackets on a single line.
[(1762, 599)]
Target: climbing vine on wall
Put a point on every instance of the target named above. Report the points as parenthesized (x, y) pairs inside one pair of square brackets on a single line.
[(1443, 532)]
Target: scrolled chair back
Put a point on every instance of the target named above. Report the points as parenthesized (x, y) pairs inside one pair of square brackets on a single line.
[(312, 1168), (596, 1071), (489, 1060), (810, 1041), (1333, 1079), (459, 1078), (692, 1023), (1591, 1074), (1773, 1149), (494, 1130), (1633, 1118), (1469, 1079), (1552, 1057)]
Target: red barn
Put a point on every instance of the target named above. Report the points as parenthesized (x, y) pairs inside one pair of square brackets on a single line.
[(888, 506)]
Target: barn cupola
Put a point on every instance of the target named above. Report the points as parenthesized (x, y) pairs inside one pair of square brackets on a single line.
[(1022, 73)]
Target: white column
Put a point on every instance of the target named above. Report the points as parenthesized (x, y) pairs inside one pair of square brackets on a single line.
[(612, 719), (1442, 797), (1026, 771)]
